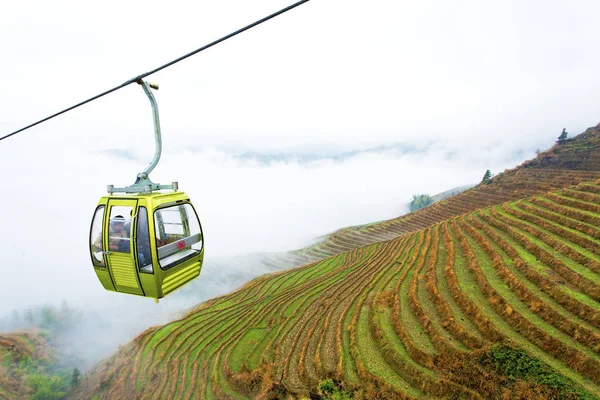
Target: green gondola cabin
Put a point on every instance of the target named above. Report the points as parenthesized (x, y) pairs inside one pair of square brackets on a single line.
[(146, 244)]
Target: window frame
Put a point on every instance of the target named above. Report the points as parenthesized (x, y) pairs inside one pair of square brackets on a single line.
[(95, 262), (136, 241), (129, 237), (156, 233)]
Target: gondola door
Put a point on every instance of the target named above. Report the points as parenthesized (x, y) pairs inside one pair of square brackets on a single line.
[(119, 244)]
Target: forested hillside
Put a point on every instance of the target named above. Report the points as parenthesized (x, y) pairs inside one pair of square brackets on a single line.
[(30, 368)]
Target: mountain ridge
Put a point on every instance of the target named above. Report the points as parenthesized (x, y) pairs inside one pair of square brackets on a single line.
[(510, 265), (580, 154)]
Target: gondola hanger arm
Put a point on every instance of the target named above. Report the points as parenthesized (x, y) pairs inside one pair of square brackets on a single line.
[(143, 184)]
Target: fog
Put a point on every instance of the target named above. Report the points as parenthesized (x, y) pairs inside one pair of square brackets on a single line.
[(331, 115), (249, 203), (245, 205)]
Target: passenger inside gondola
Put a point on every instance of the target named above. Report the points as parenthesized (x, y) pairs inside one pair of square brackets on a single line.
[(118, 235)]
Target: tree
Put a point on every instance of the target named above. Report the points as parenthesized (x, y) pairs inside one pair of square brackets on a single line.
[(562, 139), (420, 201), (487, 177), (75, 378), (49, 318)]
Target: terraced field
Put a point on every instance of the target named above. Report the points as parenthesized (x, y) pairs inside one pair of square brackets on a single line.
[(522, 183), (410, 317)]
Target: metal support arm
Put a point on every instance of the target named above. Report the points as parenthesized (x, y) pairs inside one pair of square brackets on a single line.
[(157, 138), (143, 184)]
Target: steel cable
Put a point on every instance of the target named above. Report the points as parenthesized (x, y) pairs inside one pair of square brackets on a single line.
[(142, 76)]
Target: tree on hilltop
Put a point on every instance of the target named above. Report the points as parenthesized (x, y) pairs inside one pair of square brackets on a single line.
[(562, 139), (487, 177), (419, 201)]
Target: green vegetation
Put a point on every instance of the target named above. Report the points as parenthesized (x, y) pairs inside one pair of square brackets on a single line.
[(487, 177), (75, 378), (48, 387), (32, 366), (562, 139), (31, 369), (419, 201), (330, 390), (516, 364)]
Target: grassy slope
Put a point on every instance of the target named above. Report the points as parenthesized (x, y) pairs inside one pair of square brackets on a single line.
[(29, 368), (416, 315), (12, 348)]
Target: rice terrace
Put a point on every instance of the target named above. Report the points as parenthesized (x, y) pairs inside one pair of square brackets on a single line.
[(491, 293), (301, 137)]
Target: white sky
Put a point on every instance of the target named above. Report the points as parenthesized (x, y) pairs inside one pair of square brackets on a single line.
[(473, 85)]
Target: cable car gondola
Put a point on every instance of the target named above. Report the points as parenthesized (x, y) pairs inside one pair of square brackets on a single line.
[(143, 241)]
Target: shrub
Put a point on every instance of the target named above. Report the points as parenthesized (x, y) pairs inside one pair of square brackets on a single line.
[(331, 390), (46, 387), (517, 364)]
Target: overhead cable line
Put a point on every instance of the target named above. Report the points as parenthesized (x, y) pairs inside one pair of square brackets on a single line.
[(142, 76)]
